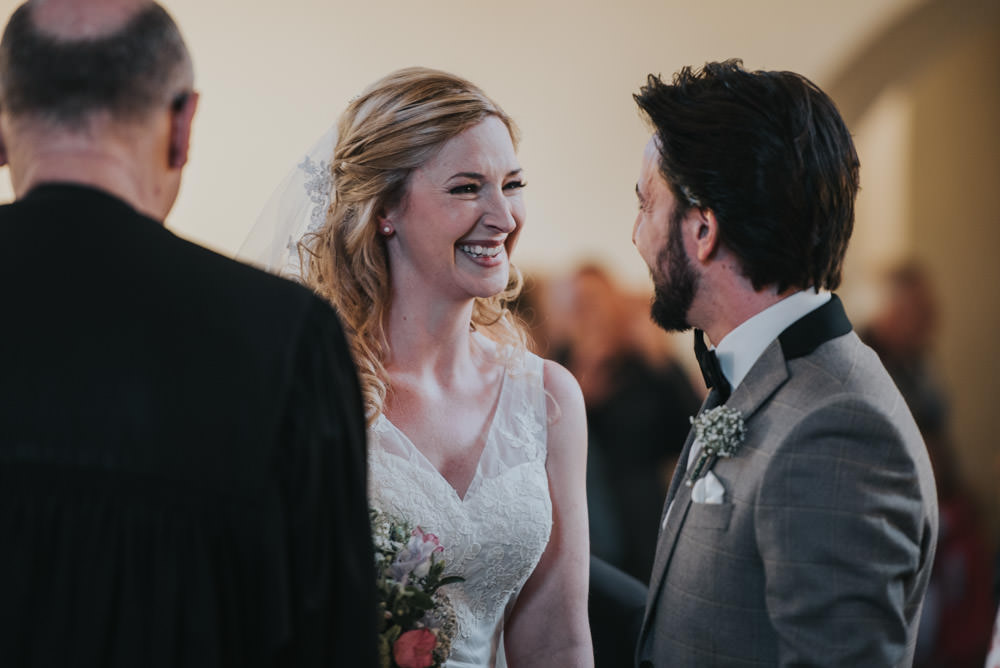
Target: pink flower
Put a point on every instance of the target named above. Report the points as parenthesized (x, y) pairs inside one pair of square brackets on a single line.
[(414, 649), (415, 557), (427, 537)]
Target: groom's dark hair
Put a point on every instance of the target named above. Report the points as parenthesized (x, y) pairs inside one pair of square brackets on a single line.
[(63, 80), (770, 155)]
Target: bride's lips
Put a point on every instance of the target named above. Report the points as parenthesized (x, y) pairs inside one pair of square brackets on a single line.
[(486, 253)]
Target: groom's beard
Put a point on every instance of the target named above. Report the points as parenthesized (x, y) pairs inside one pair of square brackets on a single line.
[(674, 292)]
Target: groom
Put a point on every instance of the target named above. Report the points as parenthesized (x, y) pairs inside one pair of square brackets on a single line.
[(800, 527), (182, 454)]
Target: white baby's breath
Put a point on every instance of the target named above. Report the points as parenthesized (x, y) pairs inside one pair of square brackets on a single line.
[(720, 432)]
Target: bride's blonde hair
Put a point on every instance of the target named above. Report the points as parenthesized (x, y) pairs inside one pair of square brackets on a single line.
[(391, 129)]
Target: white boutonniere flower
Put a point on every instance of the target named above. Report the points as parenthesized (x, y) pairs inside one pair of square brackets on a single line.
[(720, 431)]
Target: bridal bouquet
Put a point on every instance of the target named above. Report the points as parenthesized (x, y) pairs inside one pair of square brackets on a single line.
[(416, 620)]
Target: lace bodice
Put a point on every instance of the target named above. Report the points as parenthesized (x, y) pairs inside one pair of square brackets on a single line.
[(495, 535)]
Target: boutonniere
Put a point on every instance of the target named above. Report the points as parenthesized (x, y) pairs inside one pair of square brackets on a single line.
[(720, 431)]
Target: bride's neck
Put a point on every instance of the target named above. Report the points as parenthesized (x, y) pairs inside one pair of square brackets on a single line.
[(429, 340)]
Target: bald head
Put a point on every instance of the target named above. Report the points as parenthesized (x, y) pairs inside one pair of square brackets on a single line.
[(75, 20), (62, 61)]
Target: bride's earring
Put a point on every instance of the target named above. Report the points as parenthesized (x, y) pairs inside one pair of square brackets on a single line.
[(387, 230)]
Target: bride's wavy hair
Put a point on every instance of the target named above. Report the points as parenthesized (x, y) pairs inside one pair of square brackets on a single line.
[(394, 127)]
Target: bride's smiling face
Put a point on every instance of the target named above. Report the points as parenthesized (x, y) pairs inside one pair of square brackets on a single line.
[(461, 216)]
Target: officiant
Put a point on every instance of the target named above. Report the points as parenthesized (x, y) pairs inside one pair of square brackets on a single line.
[(182, 450)]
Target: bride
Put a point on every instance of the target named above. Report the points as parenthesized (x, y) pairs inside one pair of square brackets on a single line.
[(410, 220)]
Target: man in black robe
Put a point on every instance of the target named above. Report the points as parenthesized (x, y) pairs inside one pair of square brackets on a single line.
[(182, 454)]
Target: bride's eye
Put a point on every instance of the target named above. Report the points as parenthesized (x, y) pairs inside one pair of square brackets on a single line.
[(514, 185), (465, 189)]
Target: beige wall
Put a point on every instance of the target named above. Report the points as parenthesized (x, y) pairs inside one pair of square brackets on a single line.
[(955, 190), (882, 234), (274, 76)]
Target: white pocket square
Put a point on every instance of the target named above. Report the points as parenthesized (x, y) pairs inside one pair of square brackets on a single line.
[(708, 489)]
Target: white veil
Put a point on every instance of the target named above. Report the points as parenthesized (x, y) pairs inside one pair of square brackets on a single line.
[(297, 206)]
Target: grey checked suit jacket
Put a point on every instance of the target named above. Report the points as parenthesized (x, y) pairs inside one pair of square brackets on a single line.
[(821, 551)]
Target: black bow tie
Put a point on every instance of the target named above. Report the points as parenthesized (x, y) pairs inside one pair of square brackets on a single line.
[(710, 369)]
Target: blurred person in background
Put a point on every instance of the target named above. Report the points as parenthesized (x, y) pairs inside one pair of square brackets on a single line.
[(958, 611), (585, 319), (639, 401)]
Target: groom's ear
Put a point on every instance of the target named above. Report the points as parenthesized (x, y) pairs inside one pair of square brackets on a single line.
[(181, 116), (706, 232)]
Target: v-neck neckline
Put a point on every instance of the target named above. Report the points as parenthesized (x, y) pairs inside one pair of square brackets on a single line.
[(488, 439)]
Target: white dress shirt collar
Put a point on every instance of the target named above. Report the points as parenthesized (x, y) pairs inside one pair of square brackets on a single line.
[(739, 349)]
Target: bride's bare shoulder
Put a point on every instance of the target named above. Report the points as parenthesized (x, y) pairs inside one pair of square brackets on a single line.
[(566, 412)]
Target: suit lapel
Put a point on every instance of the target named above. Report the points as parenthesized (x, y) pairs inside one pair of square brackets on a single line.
[(711, 401), (769, 373), (766, 376), (814, 329), (677, 482)]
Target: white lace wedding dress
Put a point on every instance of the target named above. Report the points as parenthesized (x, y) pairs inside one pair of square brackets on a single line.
[(495, 535)]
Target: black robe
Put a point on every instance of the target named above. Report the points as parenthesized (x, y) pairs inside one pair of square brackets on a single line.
[(182, 452)]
